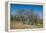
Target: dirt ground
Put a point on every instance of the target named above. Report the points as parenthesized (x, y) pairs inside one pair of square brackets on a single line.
[(19, 25)]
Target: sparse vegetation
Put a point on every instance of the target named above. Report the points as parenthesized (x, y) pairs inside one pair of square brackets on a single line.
[(25, 19)]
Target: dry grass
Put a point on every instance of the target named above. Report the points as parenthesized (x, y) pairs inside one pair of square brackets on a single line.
[(19, 25)]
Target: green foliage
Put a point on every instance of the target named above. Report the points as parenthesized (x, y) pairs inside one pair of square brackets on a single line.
[(11, 18), (17, 18)]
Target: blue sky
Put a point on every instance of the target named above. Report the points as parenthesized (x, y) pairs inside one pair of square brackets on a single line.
[(37, 8)]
